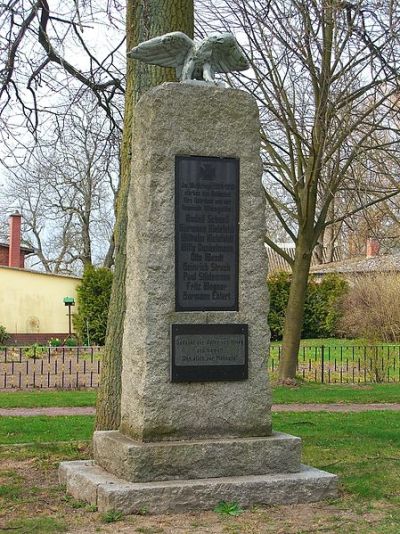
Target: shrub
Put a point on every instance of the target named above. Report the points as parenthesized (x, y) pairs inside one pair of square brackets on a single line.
[(36, 350), (3, 335), (70, 342), (93, 300), (279, 286), (55, 342), (371, 308), (323, 306), (321, 310)]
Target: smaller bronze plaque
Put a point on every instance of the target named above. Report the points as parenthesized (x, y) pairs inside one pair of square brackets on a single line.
[(208, 352)]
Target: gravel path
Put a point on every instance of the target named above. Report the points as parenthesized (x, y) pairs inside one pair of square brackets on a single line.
[(275, 408)]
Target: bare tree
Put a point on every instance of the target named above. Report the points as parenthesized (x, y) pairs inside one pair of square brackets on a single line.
[(55, 58), (33, 25), (67, 192), (325, 75), (48, 49)]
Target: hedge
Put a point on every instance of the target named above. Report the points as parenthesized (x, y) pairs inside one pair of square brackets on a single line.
[(94, 293), (321, 310)]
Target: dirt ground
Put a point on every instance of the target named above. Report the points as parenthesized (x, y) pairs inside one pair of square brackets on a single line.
[(30, 493)]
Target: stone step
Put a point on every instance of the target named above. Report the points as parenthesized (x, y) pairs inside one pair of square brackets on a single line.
[(171, 460), (85, 480)]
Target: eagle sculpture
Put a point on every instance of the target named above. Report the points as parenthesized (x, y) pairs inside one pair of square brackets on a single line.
[(218, 52)]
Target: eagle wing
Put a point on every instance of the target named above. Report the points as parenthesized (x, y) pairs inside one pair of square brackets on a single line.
[(168, 50), (227, 55)]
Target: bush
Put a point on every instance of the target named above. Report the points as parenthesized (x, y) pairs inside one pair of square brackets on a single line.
[(3, 335), (371, 308), (279, 286), (94, 293), (321, 310), (70, 342), (323, 306), (55, 342), (36, 350)]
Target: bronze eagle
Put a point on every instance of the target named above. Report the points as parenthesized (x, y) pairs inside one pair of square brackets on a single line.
[(218, 52)]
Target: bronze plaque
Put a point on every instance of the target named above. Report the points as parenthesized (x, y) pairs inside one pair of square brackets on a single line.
[(206, 233), (208, 352)]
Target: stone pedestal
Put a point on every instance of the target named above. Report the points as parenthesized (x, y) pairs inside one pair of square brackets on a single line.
[(189, 445)]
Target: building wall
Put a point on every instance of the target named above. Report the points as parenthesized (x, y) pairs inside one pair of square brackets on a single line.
[(32, 302), (3, 255)]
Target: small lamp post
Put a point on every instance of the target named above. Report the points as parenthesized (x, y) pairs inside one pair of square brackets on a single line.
[(69, 301)]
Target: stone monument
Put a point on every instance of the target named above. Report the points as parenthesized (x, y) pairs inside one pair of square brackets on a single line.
[(196, 404)]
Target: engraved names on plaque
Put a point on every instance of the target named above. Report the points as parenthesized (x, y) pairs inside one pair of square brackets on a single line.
[(204, 352), (206, 233)]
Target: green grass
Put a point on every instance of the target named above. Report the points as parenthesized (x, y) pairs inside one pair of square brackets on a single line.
[(345, 361), (45, 429), (341, 349), (362, 448), (36, 525), (304, 393), (50, 398), (335, 342), (321, 393), (44, 453)]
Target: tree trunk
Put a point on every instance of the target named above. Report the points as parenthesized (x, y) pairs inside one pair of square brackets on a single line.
[(330, 235), (109, 258), (295, 309), (145, 19)]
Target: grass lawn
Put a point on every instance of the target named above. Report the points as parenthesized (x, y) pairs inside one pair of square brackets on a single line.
[(362, 448), (49, 398), (341, 349), (45, 429), (344, 361), (336, 342), (321, 393), (304, 393)]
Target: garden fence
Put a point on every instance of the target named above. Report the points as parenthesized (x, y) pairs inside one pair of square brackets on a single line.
[(50, 367), (79, 367), (343, 364)]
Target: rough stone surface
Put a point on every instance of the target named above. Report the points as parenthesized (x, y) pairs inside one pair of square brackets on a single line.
[(110, 493), (180, 119), (187, 446), (82, 479), (135, 461)]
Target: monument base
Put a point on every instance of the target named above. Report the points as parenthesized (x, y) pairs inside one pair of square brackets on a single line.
[(86, 480), (136, 461)]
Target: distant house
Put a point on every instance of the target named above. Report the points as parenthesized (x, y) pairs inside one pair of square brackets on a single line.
[(31, 303), (371, 263), (277, 263), (13, 252)]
